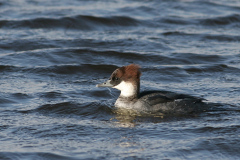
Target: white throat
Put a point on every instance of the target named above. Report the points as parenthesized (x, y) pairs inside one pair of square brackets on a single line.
[(127, 89)]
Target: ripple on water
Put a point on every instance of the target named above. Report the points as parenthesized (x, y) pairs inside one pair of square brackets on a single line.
[(80, 22), (53, 53)]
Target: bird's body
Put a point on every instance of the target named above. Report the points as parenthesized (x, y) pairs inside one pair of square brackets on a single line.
[(127, 80)]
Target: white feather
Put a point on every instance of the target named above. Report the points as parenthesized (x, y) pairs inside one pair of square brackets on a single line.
[(127, 89)]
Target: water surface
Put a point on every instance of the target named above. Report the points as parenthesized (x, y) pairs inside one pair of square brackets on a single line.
[(53, 53)]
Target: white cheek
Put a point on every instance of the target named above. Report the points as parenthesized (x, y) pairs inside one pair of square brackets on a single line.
[(126, 88), (122, 86)]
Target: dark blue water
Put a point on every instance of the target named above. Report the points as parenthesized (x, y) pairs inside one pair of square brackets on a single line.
[(53, 53)]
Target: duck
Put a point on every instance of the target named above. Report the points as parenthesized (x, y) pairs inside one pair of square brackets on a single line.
[(127, 80)]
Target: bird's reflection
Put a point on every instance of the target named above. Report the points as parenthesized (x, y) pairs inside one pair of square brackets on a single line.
[(130, 118)]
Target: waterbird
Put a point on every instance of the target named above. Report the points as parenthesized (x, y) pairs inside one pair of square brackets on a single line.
[(127, 80)]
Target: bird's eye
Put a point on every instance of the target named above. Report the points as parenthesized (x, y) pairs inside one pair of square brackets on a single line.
[(115, 78)]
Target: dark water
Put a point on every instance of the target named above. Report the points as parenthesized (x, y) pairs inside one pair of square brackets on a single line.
[(53, 53)]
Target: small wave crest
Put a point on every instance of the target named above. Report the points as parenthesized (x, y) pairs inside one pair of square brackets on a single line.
[(92, 110), (225, 20), (33, 155), (81, 22)]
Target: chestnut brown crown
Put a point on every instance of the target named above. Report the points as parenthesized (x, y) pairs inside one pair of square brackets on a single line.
[(127, 73)]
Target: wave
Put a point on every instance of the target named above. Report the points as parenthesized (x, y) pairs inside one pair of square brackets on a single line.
[(222, 68), (223, 20), (91, 110), (4, 101), (177, 21), (86, 22), (82, 70), (181, 70), (6, 67), (214, 21), (33, 155), (79, 57), (222, 38), (204, 37), (82, 56), (81, 22)]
